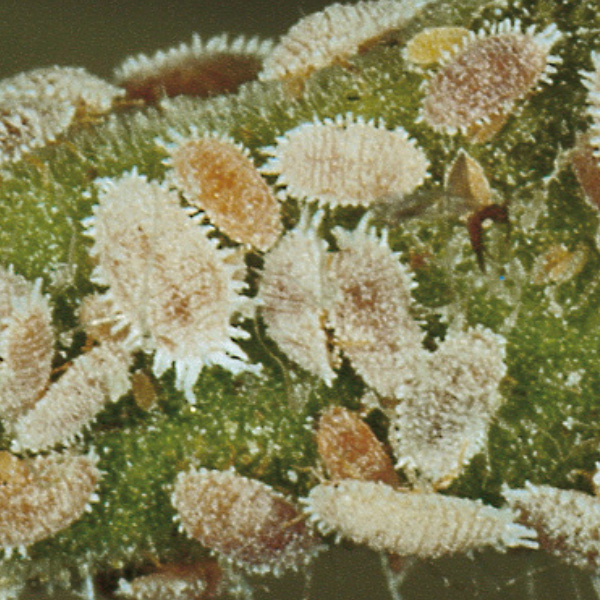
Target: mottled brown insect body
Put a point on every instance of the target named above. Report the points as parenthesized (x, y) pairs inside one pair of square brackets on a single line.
[(216, 176), (47, 498), (200, 69), (244, 520), (350, 450), (487, 77), (567, 521)]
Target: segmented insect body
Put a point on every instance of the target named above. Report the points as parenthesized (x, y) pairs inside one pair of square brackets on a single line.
[(38, 106), (26, 343), (482, 82), (218, 176), (567, 521), (217, 66), (244, 520), (350, 450), (168, 282), (44, 495), (426, 525), (334, 34), (443, 420), (346, 162), (293, 297), (371, 316), (72, 402)]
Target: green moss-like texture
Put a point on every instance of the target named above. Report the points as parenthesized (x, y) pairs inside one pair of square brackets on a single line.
[(548, 429)]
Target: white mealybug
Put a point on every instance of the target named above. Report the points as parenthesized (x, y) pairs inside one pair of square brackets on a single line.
[(442, 421), (370, 317), (201, 68), (158, 586), (72, 402), (38, 106), (346, 161), (592, 81), (567, 521), (218, 176), (26, 343), (426, 525), (479, 85), (43, 495), (246, 521), (334, 34), (293, 297), (168, 281)]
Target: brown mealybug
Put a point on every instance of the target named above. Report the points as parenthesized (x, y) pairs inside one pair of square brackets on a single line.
[(349, 449), (478, 86), (218, 176), (169, 283), (426, 525), (346, 161), (244, 520), (26, 343), (370, 315), (333, 35), (217, 66), (43, 495), (567, 521)]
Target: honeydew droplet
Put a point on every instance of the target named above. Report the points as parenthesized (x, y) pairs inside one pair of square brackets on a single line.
[(433, 44)]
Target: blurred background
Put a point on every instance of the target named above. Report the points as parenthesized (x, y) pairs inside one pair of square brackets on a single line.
[(99, 36)]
